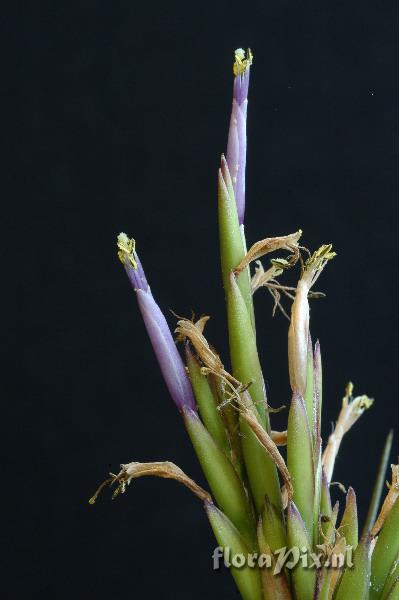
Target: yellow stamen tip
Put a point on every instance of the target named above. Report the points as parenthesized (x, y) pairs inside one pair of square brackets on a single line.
[(126, 250), (242, 61)]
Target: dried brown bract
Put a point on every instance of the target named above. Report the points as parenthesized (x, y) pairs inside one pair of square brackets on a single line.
[(166, 470)]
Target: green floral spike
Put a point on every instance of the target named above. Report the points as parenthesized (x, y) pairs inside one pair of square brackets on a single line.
[(323, 580), (330, 524), (309, 391), (317, 500), (228, 536), (261, 470), (303, 579), (378, 485), (317, 456), (318, 384), (393, 592), (355, 582), (244, 282), (349, 522), (232, 245), (300, 460), (243, 350), (207, 403), (325, 498), (326, 510), (273, 528), (223, 480), (392, 580), (385, 552), (275, 586), (230, 417)]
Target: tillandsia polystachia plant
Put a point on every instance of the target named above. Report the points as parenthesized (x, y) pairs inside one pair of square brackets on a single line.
[(272, 514)]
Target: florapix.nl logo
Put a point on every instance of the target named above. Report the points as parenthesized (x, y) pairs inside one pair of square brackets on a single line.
[(284, 558)]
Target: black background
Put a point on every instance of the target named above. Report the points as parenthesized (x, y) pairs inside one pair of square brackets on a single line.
[(117, 114)]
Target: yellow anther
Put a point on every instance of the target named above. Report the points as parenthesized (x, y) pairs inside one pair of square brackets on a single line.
[(126, 249), (242, 61)]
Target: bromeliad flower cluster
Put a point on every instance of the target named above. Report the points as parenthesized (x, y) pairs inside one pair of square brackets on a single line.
[(259, 501)]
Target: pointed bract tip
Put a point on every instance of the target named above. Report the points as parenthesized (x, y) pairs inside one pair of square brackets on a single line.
[(189, 413), (324, 479), (224, 169), (351, 495), (209, 506), (297, 399), (310, 344), (292, 510), (317, 365)]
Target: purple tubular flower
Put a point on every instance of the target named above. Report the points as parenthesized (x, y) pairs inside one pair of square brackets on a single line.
[(168, 357), (241, 84), (136, 275), (237, 140)]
